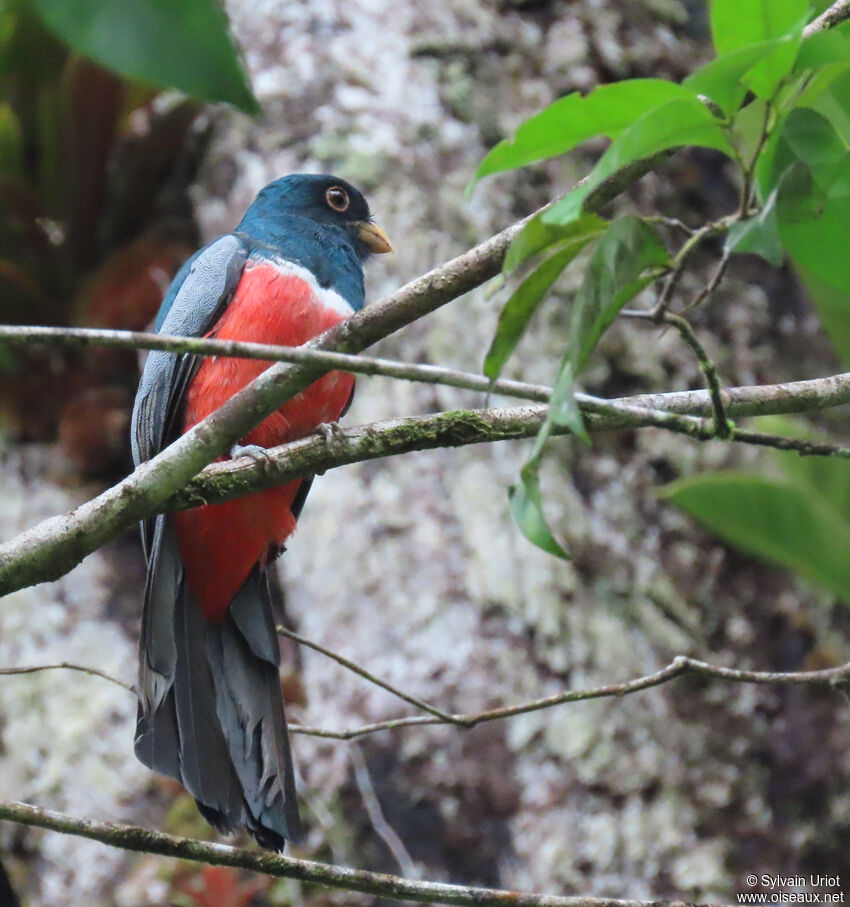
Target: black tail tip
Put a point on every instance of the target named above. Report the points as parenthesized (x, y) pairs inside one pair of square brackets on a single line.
[(267, 838)]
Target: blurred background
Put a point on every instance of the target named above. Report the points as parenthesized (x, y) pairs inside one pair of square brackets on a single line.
[(412, 566)]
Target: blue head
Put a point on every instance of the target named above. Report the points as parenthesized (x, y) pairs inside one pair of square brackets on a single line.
[(318, 221)]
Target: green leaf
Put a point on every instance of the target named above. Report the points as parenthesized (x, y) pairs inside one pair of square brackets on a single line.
[(833, 305), (809, 138), (523, 303), (821, 49), (758, 234), (563, 406), (537, 237), (813, 213), (527, 511), (684, 121), (834, 102), (165, 43), (828, 478), (820, 81), (574, 119), (615, 274), (778, 520), (740, 23), (725, 79)]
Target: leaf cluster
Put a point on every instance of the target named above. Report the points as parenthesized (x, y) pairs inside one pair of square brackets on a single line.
[(775, 100)]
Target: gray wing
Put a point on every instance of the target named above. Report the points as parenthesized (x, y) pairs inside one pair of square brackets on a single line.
[(193, 307)]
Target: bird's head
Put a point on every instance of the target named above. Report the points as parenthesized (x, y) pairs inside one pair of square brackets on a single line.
[(324, 199)]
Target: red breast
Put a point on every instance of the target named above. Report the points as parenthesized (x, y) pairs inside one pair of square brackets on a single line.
[(220, 544)]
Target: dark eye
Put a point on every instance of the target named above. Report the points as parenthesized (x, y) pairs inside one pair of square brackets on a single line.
[(337, 198)]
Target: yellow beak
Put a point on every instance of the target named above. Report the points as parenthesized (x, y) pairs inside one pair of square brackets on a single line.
[(373, 237)]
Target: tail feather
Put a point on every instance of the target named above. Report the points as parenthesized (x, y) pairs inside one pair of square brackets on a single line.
[(157, 737), (205, 761), (244, 653), (210, 703), (157, 646)]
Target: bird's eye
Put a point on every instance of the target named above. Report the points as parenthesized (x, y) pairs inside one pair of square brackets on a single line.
[(337, 198)]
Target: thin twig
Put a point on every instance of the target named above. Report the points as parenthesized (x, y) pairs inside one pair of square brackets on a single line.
[(362, 672), (800, 446), (722, 428), (750, 167), (142, 840), (659, 315), (67, 666), (681, 665), (674, 223), (712, 285), (678, 269), (376, 814), (203, 346)]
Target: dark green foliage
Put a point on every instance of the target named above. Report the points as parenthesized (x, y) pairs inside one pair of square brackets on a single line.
[(162, 43)]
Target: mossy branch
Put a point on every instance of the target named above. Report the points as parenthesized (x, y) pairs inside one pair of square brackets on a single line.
[(687, 413), (384, 885)]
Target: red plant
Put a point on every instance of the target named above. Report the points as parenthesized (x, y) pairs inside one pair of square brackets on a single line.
[(221, 886)]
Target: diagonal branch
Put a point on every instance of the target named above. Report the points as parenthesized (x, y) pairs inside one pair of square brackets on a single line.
[(142, 840), (835, 15), (362, 672)]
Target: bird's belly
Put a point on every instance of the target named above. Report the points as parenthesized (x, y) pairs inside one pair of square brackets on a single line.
[(221, 543), (270, 306)]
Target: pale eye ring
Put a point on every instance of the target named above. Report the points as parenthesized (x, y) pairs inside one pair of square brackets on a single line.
[(337, 198)]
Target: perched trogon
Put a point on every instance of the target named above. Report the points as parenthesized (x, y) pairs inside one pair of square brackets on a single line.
[(210, 704)]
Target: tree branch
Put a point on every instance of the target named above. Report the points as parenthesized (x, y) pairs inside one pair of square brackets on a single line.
[(141, 840), (316, 454), (835, 15), (76, 534), (29, 335)]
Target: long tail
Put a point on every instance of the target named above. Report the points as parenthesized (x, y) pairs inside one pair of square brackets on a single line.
[(210, 704)]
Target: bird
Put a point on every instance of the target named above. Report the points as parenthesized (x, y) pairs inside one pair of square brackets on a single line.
[(210, 711)]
